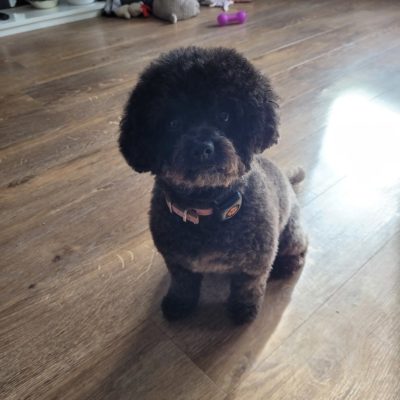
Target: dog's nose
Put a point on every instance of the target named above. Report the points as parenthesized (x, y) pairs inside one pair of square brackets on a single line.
[(203, 151)]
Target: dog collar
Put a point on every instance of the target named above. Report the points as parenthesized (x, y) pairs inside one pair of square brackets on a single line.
[(224, 210)]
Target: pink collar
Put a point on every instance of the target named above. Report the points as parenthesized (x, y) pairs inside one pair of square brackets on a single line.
[(225, 210), (189, 214)]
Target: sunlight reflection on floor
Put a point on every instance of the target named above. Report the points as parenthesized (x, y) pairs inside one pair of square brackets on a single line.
[(362, 142)]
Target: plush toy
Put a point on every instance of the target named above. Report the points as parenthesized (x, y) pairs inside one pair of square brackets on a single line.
[(174, 10), (127, 8), (224, 4), (132, 10)]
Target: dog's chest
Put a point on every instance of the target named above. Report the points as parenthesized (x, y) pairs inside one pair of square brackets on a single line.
[(214, 262), (227, 246)]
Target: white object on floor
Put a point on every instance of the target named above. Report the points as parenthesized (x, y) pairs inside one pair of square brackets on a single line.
[(27, 18), (43, 4), (80, 2)]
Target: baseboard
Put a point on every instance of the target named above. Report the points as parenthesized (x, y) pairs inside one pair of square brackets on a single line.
[(27, 18)]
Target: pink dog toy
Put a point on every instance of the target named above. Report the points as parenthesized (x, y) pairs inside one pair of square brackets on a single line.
[(235, 18)]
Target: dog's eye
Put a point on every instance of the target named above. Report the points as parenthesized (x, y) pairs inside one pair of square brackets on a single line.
[(223, 117), (174, 123)]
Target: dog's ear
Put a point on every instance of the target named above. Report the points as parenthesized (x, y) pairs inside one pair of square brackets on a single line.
[(266, 133), (134, 140)]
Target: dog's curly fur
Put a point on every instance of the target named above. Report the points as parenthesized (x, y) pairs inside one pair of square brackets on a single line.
[(191, 99)]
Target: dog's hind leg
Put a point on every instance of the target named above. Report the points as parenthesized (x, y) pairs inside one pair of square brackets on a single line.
[(183, 294), (292, 248)]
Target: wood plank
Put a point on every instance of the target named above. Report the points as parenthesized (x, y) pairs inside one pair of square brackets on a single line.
[(358, 326), (65, 230), (51, 120), (371, 296), (327, 358), (120, 369)]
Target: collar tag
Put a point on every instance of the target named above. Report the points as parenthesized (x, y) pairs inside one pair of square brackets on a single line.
[(230, 207)]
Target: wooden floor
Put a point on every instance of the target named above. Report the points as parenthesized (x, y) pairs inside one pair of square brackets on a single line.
[(80, 283)]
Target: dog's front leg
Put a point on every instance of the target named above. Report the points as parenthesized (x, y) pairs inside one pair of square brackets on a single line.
[(246, 297), (183, 294)]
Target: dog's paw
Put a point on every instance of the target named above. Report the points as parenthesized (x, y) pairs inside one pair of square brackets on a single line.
[(242, 313), (175, 308), (285, 266)]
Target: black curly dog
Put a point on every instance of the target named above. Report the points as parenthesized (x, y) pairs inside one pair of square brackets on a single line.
[(197, 119)]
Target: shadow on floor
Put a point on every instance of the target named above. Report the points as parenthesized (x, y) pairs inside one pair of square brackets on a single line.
[(154, 361)]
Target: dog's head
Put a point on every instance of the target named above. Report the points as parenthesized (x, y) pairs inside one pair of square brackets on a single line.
[(197, 116)]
